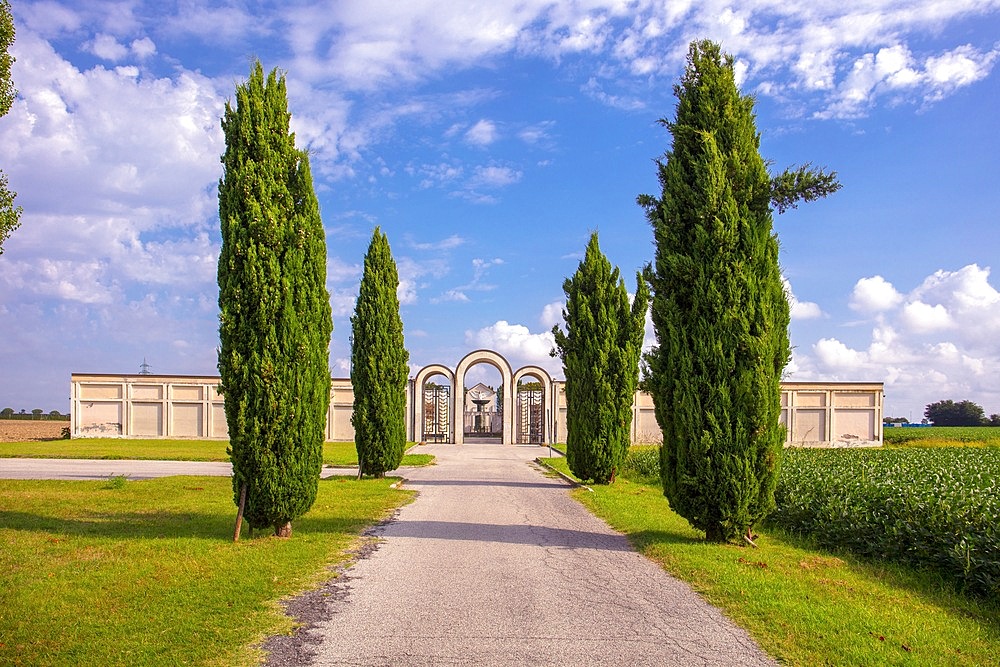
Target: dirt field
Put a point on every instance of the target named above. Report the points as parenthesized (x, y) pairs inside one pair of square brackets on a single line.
[(20, 430)]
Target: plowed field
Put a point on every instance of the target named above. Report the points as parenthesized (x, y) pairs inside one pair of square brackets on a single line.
[(19, 430)]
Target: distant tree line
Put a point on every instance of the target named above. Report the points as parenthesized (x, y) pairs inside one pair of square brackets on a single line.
[(962, 413), (950, 413), (37, 413)]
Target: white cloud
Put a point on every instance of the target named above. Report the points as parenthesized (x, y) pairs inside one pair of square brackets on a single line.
[(517, 344), (107, 47), (800, 310), (494, 176), (148, 146), (537, 133), (434, 175), (959, 67), (49, 18), (143, 48), (967, 289), (804, 310), (893, 69), (229, 23), (921, 317), (482, 133), (835, 355), (552, 314), (452, 295), (939, 340), (874, 294), (338, 271), (449, 243)]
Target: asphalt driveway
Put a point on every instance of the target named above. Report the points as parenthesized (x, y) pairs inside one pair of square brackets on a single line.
[(495, 564)]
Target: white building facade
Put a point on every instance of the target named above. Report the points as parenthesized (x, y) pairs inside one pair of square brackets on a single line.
[(528, 407)]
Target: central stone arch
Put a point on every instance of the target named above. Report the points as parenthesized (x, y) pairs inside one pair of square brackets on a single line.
[(507, 382)]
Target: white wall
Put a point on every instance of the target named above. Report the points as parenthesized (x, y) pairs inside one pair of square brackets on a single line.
[(816, 414)]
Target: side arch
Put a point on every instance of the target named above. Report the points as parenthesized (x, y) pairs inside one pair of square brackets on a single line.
[(507, 379), (545, 379), (419, 380)]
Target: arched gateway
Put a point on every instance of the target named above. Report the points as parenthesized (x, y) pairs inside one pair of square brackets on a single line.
[(505, 413)]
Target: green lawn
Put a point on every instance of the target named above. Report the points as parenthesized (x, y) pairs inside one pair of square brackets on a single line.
[(146, 572), (806, 606), (334, 453)]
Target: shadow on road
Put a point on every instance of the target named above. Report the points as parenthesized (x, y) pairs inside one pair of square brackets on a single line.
[(507, 534), (553, 484)]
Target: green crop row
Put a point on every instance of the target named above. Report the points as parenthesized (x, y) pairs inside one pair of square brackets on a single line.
[(978, 435), (643, 461), (933, 508)]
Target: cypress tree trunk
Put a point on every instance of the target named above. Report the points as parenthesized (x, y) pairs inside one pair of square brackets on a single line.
[(719, 308), (379, 370), (274, 320), (600, 353)]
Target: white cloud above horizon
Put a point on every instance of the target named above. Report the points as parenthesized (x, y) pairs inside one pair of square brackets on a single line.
[(916, 342)]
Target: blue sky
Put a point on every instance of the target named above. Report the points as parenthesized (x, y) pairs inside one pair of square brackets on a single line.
[(488, 139)]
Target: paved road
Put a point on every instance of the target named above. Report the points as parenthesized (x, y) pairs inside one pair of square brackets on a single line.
[(495, 564), (102, 469)]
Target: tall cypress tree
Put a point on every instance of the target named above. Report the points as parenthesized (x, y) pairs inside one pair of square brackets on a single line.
[(10, 215), (600, 352), (719, 308), (379, 370), (275, 321)]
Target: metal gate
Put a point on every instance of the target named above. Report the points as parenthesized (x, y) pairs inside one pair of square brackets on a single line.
[(437, 422), (530, 417)]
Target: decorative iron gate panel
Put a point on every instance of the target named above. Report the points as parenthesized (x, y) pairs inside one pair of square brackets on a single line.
[(437, 424), (530, 417)]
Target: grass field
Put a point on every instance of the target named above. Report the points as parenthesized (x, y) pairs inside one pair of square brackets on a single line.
[(804, 605), (146, 572), (334, 453)]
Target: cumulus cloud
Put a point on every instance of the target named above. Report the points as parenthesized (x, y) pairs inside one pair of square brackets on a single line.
[(939, 340), (107, 47), (143, 48), (921, 317), (119, 237), (517, 343), (874, 294), (552, 314), (893, 70), (800, 310)]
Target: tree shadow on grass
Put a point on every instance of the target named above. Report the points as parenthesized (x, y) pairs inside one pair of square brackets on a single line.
[(646, 538), (167, 525), (932, 587), (125, 525)]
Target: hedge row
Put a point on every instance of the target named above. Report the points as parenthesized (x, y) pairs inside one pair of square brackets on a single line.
[(934, 508)]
